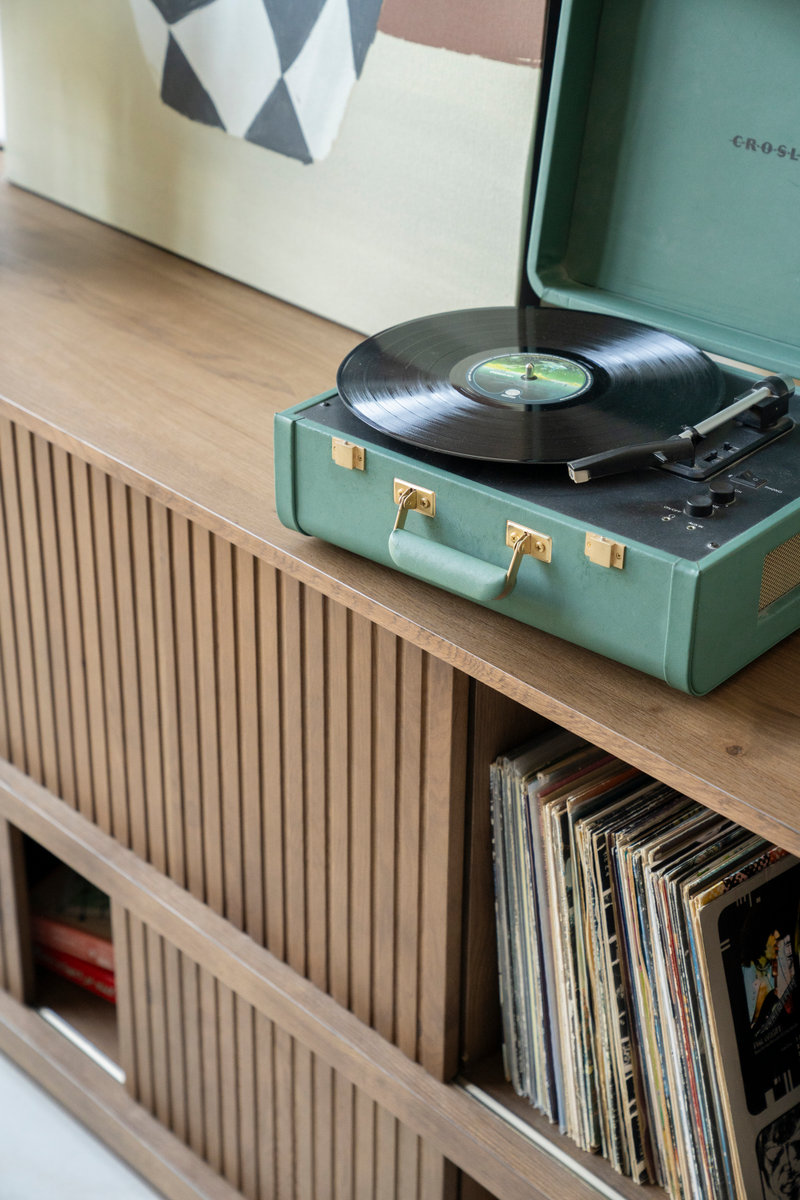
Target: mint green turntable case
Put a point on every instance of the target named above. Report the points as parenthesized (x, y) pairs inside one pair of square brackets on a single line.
[(668, 192)]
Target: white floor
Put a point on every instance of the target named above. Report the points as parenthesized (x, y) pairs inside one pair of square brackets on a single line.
[(45, 1154)]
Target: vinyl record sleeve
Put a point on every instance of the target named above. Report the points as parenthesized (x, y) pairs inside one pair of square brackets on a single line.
[(757, 1044)]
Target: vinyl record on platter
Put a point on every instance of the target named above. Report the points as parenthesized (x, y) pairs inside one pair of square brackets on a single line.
[(538, 385)]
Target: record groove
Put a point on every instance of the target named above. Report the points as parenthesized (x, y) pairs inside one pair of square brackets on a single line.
[(538, 385)]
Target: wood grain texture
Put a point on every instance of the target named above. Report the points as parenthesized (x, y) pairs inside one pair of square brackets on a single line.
[(497, 724), (14, 916), (447, 1118), (442, 867), (88, 305), (281, 1123), (244, 734), (470, 1190), (102, 1105), (123, 984)]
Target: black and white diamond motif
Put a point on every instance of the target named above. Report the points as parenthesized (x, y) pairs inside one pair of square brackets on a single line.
[(274, 72)]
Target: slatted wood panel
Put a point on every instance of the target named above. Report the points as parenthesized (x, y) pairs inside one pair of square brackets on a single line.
[(294, 766), (260, 1108)]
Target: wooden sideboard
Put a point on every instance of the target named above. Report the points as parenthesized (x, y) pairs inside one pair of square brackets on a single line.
[(273, 755)]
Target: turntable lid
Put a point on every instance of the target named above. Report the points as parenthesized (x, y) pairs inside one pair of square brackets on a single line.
[(669, 184)]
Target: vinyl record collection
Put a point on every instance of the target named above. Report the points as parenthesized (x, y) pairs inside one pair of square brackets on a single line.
[(648, 967)]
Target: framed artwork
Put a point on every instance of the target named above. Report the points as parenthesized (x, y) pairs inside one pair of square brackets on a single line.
[(367, 160)]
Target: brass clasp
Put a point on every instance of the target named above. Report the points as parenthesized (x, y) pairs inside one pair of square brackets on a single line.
[(524, 541), (407, 497)]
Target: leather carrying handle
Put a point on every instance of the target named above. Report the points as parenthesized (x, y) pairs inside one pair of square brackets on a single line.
[(452, 569), (445, 567)]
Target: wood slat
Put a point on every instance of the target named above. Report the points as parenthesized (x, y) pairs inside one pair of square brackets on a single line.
[(442, 868), (73, 630), (55, 619), (129, 682), (37, 609), (174, 1024), (249, 750), (265, 1107), (315, 777), (410, 754), (407, 1163), (140, 1083), (160, 534), (364, 1146), (144, 600), (304, 1141), (157, 1008), (186, 694), (270, 721), (14, 735), (212, 1079), (384, 946), (123, 984), (343, 1138), (229, 1091), (18, 610), (324, 1144), (294, 841), (92, 651), (339, 803), (14, 915), (361, 817), (227, 717), (110, 652), (385, 1154), (285, 1150), (193, 1061), (247, 1098), (207, 719)]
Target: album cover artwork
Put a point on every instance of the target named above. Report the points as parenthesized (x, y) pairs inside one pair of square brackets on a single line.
[(778, 1152), (760, 938), (750, 940)]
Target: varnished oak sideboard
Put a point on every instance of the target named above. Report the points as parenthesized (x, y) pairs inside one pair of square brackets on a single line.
[(273, 755)]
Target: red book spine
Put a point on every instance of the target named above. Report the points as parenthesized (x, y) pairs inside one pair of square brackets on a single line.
[(87, 975), (86, 946)]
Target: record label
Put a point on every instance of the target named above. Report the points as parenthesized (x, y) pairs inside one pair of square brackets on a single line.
[(516, 378)]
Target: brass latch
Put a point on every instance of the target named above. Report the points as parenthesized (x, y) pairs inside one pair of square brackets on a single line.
[(408, 497), (524, 541), (604, 551), (347, 454)]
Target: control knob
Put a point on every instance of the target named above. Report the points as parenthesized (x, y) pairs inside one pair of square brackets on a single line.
[(722, 492), (699, 506)]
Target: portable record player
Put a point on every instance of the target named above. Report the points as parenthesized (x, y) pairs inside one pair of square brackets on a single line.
[(597, 466)]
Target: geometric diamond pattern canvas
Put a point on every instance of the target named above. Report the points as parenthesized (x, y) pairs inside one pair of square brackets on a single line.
[(275, 72)]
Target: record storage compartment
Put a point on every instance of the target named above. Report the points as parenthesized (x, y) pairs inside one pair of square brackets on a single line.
[(499, 725)]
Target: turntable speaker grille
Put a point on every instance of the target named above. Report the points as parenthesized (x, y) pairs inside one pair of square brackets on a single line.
[(781, 572)]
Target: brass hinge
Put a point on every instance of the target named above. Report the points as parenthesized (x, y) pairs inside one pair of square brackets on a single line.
[(347, 454), (604, 551)]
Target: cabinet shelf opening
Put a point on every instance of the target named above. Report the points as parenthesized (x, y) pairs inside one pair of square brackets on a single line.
[(72, 956)]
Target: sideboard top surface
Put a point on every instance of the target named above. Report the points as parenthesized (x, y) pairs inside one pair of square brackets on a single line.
[(167, 376)]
